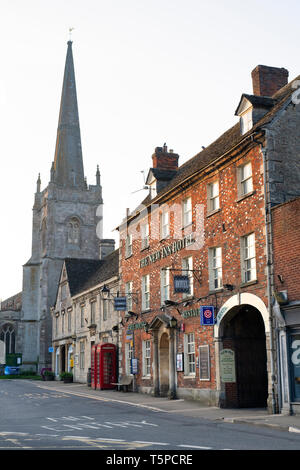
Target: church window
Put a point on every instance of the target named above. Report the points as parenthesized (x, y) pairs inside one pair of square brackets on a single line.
[(8, 336), (73, 231)]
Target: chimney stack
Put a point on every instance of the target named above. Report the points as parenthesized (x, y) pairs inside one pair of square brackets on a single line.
[(164, 160), (267, 80)]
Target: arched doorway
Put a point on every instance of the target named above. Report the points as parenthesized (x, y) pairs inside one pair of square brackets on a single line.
[(164, 364), (244, 333)]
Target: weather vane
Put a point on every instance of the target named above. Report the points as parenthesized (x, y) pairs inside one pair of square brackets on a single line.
[(70, 33)]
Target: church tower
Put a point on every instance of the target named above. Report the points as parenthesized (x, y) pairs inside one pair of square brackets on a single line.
[(67, 223)]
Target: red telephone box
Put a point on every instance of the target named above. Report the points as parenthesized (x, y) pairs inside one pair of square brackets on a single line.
[(93, 366), (105, 365)]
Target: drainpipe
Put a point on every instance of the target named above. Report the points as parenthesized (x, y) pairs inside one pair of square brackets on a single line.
[(268, 229)]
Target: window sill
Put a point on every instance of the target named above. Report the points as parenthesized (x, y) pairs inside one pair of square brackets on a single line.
[(147, 310), (146, 377), (216, 211), (145, 248), (241, 198), (187, 226), (249, 283), (128, 256), (215, 291), (189, 376)]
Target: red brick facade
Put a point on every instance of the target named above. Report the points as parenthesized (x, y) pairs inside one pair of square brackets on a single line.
[(236, 217), (286, 245)]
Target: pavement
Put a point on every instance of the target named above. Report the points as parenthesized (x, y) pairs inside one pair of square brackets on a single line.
[(252, 416)]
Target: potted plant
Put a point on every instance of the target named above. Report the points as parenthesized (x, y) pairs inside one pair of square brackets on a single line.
[(67, 377), (48, 375)]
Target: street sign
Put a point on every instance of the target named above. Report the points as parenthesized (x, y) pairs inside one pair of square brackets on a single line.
[(207, 315), (50, 349), (134, 366), (181, 284), (120, 303)]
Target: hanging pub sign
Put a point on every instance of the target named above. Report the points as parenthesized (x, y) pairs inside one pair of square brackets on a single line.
[(181, 284), (207, 315), (120, 304)]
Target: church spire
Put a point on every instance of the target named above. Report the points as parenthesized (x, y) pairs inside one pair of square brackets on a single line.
[(68, 163)]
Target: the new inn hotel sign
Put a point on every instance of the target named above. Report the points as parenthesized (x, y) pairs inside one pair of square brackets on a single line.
[(167, 250)]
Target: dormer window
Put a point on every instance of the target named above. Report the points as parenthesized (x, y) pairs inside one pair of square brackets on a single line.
[(251, 109), (246, 121)]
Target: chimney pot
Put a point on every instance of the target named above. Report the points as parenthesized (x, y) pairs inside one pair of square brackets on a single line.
[(266, 81)]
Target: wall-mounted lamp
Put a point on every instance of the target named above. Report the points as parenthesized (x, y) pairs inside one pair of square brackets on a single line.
[(173, 323), (105, 292), (130, 314), (228, 286), (170, 303)]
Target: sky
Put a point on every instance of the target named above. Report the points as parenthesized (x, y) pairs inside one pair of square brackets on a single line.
[(148, 72)]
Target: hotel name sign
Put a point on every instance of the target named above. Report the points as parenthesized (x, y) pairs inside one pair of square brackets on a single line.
[(167, 250)]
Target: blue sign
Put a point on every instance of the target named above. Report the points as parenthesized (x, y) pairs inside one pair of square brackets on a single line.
[(182, 284), (50, 349), (120, 303), (207, 315), (134, 366)]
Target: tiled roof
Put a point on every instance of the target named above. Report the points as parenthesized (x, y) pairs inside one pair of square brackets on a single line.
[(84, 274)]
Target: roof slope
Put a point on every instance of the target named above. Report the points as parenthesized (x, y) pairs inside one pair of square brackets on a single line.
[(223, 144), (86, 273)]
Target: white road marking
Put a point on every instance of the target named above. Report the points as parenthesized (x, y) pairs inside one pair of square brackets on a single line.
[(154, 443), (194, 447)]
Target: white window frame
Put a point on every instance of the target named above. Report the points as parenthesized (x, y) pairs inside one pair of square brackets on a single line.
[(128, 292), (213, 199), (246, 121), (248, 258), (187, 267), (128, 246), (164, 284), (105, 309), (215, 268), (146, 292), (128, 357), (187, 212), (82, 308), (164, 225), (145, 235), (69, 313), (245, 179), (146, 358), (93, 312), (82, 355), (189, 355)]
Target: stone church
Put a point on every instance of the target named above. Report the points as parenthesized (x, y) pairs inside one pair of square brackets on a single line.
[(67, 223)]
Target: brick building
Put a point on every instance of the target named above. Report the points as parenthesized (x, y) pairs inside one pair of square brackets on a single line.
[(286, 245), (210, 221)]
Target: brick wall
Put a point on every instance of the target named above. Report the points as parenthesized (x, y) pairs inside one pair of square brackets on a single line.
[(286, 245)]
